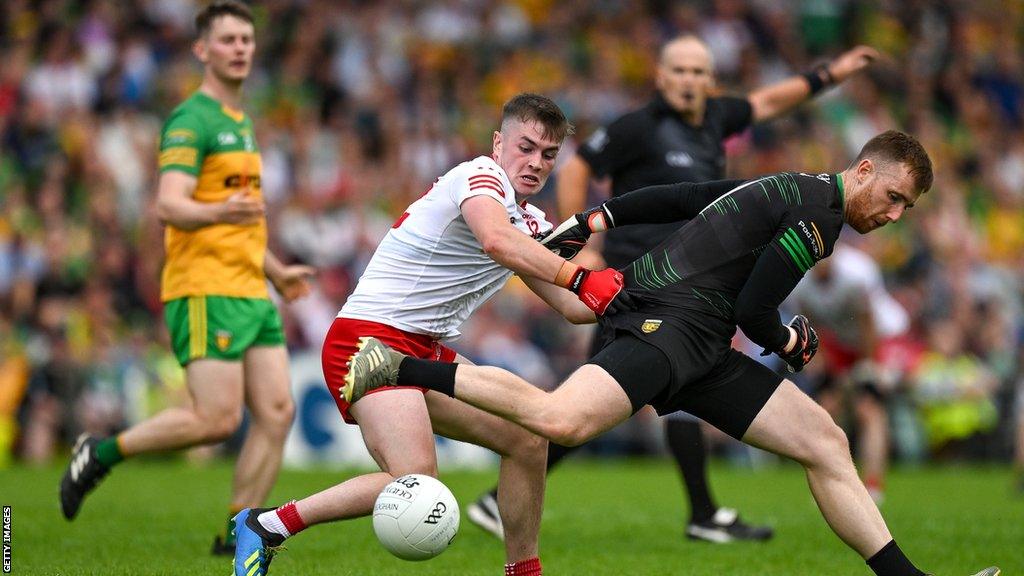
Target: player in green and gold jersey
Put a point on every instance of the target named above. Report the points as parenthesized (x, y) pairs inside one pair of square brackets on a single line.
[(225, 330)]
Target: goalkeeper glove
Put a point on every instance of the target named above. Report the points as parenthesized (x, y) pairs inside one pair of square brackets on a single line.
[(569, 237), (601, 290), (804, 348)]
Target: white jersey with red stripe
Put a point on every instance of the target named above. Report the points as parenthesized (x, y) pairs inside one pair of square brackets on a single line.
[(430, 271)]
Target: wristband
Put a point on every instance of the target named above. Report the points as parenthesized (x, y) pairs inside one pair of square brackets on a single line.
[(599, 219), (567, 274), (818, 78)]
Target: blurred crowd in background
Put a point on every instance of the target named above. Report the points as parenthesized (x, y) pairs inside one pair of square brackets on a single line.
[(360, 105)]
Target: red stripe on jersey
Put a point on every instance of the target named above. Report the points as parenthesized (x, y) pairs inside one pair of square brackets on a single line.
[(481, 178), (400, 220), (487, 186), (491, 176)]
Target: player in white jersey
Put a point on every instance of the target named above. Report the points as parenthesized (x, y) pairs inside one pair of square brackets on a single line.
[(857, 322), (450, 251), (429, 273)]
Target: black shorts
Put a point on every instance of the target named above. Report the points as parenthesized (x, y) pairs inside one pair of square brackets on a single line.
[(727, 393)]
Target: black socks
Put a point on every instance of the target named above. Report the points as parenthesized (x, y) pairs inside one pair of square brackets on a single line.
[(890, 561), (439, 376), (686, 442)]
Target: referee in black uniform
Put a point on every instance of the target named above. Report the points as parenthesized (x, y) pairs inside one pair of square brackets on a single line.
[(677, 137)]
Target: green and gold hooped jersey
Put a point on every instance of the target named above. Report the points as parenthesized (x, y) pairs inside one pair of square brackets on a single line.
[(217, 145)]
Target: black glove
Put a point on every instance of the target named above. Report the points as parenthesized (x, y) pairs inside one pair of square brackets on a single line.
[(569, 237), (806, 344)]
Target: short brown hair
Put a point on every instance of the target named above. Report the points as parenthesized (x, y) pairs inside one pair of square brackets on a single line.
[(527, 107), (218, 8), (901, 148)]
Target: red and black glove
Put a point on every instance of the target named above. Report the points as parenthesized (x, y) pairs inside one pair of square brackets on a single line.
[(601, 290), (569, 237), (805, 347)]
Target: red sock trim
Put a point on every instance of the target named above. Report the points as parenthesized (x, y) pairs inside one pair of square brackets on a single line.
[(529, 567), (290, 518)]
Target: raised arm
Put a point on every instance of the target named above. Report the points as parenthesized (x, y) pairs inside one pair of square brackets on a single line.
[(773, 100)]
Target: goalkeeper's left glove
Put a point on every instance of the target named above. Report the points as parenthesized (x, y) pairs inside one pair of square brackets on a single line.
[(804, 348), (569, 237)]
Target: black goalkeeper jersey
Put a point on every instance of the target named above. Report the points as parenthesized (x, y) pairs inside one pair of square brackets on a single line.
[(654, 145), (742, 252)]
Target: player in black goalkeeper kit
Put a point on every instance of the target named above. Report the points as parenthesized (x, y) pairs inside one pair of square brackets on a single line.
[(678, 136), (744, 249)]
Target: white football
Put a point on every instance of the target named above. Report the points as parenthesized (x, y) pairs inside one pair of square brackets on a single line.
[(416, 517)]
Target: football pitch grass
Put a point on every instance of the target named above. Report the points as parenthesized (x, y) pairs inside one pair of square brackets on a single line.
[(601, 517)]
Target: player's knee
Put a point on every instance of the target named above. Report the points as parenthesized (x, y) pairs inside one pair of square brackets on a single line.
[(530, 445), (220, 425), (278, 414), (830, 445), (567, 433)]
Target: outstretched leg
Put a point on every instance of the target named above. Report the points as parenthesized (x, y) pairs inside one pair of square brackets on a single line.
[(213, 415), (588, 403), (791, 424)]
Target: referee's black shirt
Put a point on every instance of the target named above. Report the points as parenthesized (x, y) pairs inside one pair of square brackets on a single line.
[(653, 145)]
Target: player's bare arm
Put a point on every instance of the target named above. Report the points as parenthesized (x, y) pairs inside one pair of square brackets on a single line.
[(504, 243), (518, 252), (776, 99), (562, 301), (176, 206), (290, 280)]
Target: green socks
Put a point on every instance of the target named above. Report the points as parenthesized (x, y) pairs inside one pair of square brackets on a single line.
[(229, 533), (108, 452)]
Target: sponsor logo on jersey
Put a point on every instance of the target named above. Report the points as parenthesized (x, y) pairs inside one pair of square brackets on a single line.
[(179, 136), (679, 159), (235, 181), (227, 138), (532, 224), (247, 139), (826, 178), (650, 325), (223, 339), (598, 140), (814, 237)]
